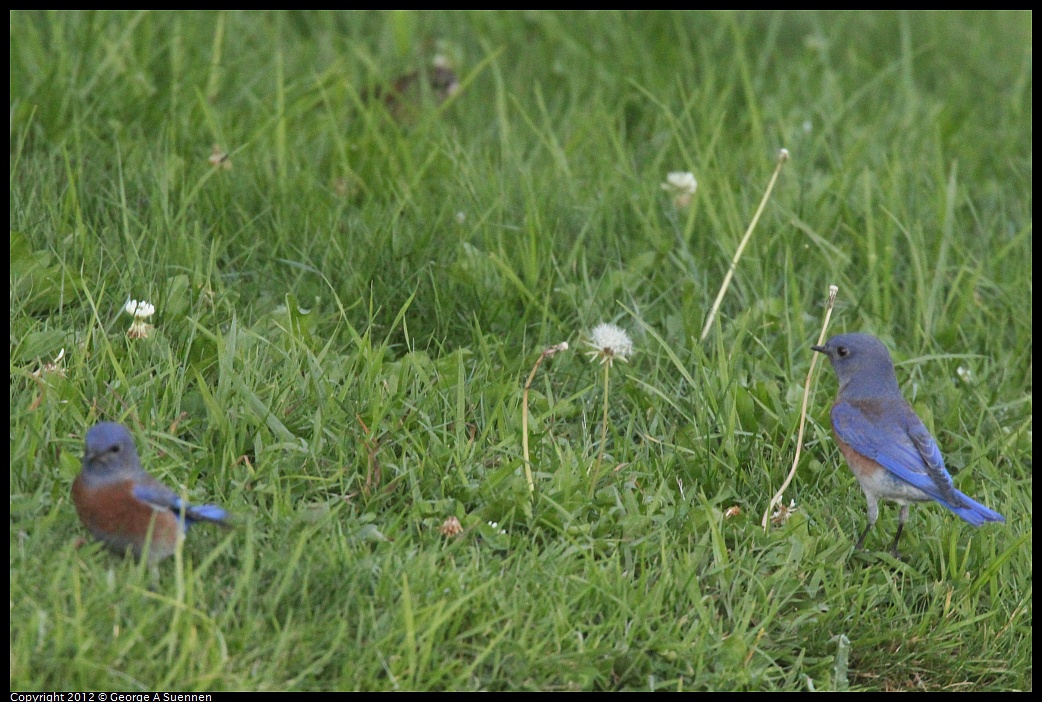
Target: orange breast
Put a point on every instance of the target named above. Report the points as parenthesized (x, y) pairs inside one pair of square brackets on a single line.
[(860, 466), (120, 520)]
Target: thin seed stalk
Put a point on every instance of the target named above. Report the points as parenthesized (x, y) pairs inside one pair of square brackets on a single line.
[(783, 156), (833, 291), (604, 434)]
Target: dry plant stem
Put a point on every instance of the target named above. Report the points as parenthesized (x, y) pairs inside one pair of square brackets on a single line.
[(524, 410), (833, 291), (604, 434), (524, 424), (783, 156)]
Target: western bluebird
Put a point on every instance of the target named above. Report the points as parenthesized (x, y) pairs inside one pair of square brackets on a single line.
[(889, 449), (120, 503)]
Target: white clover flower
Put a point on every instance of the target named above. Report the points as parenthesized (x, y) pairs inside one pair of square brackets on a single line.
[(609, 342), (140, 311), (451, 527), (682, 185), (782, 514), (681, 182), (54, 366)]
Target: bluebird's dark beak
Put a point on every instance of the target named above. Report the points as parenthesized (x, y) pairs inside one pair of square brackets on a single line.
[(819, 349)]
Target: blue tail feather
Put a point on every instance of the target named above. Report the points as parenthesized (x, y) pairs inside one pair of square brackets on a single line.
[(974, 512), (205, 513)]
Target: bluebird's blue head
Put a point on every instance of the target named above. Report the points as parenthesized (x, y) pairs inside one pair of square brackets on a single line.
[(110, 451), (862, 365)]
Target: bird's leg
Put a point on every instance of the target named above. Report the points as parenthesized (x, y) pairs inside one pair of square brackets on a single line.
[(900, 527), (860, 545)]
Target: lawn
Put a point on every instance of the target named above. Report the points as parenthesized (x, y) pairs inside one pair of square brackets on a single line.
[(355, 270)]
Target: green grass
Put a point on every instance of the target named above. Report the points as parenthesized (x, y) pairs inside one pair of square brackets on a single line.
[(347, 316)]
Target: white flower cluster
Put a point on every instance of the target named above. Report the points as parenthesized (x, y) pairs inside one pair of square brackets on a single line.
[(495, 527), (140, 311), (782, 514), (682, 185)]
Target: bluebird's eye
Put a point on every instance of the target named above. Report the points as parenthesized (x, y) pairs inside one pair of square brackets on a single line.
[(115, 449), (842, 351)]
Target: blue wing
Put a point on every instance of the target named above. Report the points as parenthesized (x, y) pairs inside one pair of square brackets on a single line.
[(901, 443), (157, 494)]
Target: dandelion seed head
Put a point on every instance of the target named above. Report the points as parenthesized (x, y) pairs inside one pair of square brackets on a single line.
[(833, 292), (609, 342), (556, 348)]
